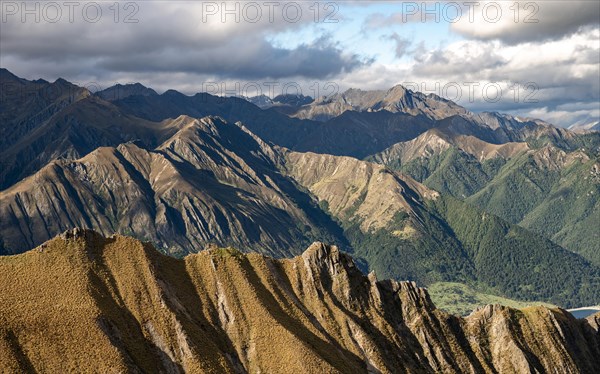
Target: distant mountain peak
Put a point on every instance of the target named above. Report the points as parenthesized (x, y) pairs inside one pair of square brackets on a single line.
[(262, 101), (5, 73), (297, 100), (62, 81), (585, 126), (172, 92), (397, 99), (121, 91)]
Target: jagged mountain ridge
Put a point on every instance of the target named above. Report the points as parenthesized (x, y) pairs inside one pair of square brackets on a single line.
[(118, 305), (210, 182), (491, 127)]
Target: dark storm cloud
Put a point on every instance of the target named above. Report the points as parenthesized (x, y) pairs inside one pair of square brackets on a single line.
[(240, 59), (173, 39)]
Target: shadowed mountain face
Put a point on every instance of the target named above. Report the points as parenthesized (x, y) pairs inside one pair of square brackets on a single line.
[(116, 304), (356, 134), (121, 91), (73, 132), (359, 130), (24, 104), (211, 182)]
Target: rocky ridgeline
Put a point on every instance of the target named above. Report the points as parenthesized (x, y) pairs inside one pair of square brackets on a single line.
[(129, 308)]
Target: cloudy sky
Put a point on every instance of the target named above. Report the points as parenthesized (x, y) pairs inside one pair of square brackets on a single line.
[(539, 59)]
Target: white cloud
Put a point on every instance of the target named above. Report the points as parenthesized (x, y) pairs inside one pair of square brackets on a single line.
[(523, 21)]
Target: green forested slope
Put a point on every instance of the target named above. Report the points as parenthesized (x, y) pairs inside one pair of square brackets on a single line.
[(463, 244), (560, 203), (518, 263), (546, 190), (453, 172)]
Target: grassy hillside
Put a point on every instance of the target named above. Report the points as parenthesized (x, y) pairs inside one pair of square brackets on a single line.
[(570, 213), (404, 250), (88, 304), (458, 298), (455, 242)]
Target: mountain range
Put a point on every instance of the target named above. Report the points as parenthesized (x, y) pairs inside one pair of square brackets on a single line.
[(414, 186)]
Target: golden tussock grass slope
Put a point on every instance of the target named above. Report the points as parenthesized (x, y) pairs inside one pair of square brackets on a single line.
[(85, 303)]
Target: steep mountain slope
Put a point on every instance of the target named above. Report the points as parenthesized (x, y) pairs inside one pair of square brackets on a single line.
[(72, 132), (268, 124), (406, 231), (551, 192), (459, 165), (211, 182), (512, 261), (26, 104), (368, 200), (84, 303), (215, 182)]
